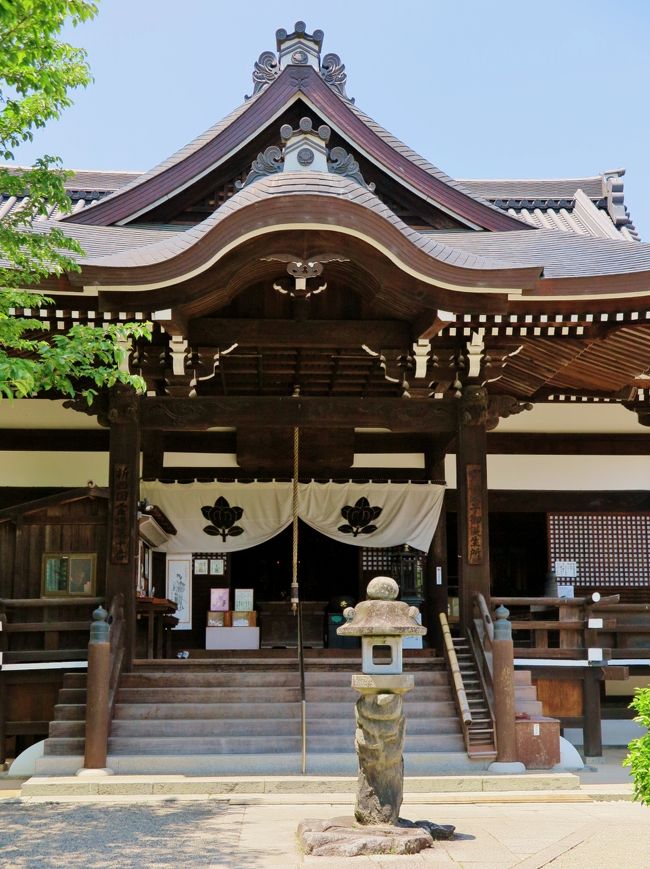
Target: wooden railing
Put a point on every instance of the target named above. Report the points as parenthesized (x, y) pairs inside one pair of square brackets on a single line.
[(480, 636), (49, 639), (460, 695), (560, 628), (117, 649), (106, 658)]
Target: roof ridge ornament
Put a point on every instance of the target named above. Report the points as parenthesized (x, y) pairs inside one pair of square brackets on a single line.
[(299, 48), (305, 149)]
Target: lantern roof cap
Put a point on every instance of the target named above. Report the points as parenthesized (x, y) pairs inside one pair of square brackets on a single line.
[(381, 615)]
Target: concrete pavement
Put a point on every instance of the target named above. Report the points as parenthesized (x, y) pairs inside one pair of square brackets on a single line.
[(227, 834)]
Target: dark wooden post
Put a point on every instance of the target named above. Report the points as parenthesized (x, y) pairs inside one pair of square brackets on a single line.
[(591, 724), (504, 687), (471, 471), (437, 594), (124, 477), (3, 693), (99, 666)]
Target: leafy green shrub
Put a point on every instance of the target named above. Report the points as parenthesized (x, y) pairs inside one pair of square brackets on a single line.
[(639, 757)]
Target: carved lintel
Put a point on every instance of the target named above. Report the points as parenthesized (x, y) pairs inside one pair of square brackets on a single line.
[(474, 405), (503, 406)]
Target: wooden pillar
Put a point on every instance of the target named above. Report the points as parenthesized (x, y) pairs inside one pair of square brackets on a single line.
[(124, 478), (591, 724), (504, 687), (471, 473), (436, 577)]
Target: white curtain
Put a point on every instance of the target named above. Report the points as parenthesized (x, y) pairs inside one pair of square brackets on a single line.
[(226, 517), (221, 517), (373, 514)]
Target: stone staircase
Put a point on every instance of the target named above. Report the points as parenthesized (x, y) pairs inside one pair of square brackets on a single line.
[(212, 715)]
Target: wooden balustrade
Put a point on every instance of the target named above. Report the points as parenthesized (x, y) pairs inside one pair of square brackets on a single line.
[(50, 638), (460, 695), (558, 628)]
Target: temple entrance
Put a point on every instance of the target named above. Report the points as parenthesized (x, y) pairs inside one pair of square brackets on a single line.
[(327, 568)]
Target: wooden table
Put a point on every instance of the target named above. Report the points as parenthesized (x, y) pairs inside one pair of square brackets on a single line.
[(155, 610)]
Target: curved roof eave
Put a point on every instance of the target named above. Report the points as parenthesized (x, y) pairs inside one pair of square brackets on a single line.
[(312, 201), (221, 140)]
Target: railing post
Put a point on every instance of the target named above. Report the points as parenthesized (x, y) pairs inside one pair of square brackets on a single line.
[(503, 680), (97, 712)]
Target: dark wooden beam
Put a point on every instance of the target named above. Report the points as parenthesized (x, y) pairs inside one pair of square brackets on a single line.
[(568, 444), (396, 414), (313, 334), (527, 501)]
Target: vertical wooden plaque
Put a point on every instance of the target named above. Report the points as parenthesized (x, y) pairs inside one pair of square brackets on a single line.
[(474, 514), (120, 515)]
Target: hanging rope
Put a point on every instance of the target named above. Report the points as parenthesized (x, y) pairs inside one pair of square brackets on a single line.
[(294, 511)]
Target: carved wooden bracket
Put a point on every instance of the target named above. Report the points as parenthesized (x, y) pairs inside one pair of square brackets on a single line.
[(474, 405), (501, 407)]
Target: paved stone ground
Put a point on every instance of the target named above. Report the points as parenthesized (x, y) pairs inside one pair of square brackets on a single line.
[(250, 835)]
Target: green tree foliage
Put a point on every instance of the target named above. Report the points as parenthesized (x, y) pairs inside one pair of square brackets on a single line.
[(38, 71), (639, 757)]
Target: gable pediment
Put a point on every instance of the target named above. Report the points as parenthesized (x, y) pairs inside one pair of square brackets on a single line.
[(202, 174)]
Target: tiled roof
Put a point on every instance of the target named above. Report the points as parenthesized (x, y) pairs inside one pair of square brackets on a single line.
[(559, 254)]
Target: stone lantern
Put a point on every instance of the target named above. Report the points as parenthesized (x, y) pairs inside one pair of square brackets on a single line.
[(382, 622)]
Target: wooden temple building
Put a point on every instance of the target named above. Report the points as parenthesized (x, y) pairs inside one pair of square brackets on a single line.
[(442, 380)]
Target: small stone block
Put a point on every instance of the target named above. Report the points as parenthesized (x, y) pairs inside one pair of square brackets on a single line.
[(343, 837)]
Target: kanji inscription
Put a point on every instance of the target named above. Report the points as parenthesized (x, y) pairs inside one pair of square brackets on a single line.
[(120, 517), (474, 514)]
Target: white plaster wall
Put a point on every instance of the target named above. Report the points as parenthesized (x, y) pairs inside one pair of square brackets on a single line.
[(52, 468), (563, 473)]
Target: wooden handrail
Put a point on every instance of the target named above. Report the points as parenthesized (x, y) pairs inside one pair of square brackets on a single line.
[(116, 640), (460, 695), (554, 601), (33, 602), (486, 618)]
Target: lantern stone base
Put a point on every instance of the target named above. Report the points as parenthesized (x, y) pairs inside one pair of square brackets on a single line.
[(343, 837)]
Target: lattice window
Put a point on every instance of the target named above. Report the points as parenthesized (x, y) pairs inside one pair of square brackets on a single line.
[(376, 562), (610, 549)]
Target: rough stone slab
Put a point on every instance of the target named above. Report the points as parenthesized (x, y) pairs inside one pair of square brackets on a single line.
[(343, 837)]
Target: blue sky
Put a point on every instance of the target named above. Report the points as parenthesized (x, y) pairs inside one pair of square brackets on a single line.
[(482, 89)]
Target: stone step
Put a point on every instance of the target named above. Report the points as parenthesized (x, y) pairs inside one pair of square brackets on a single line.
[(425, 764), (210, 679), (72, 695), (69, 711), (413, 709), (253, 694), (325, 678), (525, 692), (532, 707), (157, 711), (228, 744), (75, 679), (523, 677)]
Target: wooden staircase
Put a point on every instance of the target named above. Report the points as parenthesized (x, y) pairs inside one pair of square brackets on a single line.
[(237, 709), (482, 738)]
